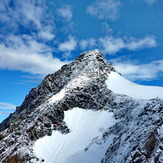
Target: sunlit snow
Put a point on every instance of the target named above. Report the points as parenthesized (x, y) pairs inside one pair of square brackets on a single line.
[(57, 96), (120, 85), (87, 128), (85, 143)]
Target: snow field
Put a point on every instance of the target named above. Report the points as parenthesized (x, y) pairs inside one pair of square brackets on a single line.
[(120, 85), (87, 128)]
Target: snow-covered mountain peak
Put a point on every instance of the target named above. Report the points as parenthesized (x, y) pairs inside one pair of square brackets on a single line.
[(87, 113), (92, 62), (90, 65)]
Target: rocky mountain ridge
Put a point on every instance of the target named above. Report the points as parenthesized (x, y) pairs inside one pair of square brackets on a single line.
[(82, 83)]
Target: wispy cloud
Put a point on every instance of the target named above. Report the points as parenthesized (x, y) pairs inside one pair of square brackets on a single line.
[(112, 45), (68, 45), (64, 20), (66, 12), (87, 43), (135, 71), (106, 28), (105, 9), (32, 78), (6, 106), (46, 33)]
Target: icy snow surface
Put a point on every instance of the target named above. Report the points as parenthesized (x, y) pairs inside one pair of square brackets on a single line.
[(120, 85), (84, 143)]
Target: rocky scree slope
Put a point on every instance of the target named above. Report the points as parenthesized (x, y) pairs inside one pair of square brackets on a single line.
[(138, 131)]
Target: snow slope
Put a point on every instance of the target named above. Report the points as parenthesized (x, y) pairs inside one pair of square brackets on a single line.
[(83, 141), (120, 85)]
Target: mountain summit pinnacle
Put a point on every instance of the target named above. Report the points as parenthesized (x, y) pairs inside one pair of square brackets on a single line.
[(90, 64), (77, 114)]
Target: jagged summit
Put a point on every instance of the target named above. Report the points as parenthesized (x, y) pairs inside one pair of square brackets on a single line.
[(84, 102), (90, 63)]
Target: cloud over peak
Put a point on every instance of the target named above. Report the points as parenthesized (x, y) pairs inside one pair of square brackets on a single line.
[(112, 44)]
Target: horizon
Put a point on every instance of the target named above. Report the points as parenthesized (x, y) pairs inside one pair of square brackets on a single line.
[(38, 37)]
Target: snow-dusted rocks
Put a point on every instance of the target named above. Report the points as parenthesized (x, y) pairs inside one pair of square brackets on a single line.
[(86, 113)]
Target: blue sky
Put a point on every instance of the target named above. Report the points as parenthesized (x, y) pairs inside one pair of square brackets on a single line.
[(37, 37)]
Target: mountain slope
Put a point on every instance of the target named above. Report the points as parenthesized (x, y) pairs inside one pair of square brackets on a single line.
[(120, 85), (83, 141), (76, 112)]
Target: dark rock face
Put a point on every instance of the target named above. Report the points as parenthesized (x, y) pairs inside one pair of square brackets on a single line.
[(138, 136), (82, 84)]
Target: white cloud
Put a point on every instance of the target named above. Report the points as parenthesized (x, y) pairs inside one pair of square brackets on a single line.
[(46, 33), (68, 45), (83, 44), (135, 71), (25, 54), (134, 44), (66, 12), (30, 15), (31, 12), (29, 52), (87, 43), (7, 106), (63, 19), (113, 45), (105, 9)]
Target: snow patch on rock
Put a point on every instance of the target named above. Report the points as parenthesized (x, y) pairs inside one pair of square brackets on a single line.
[(57, 96)]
